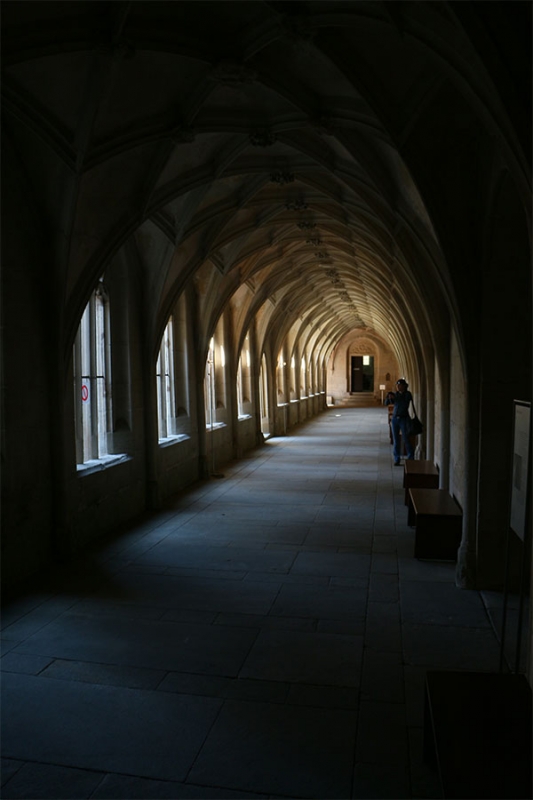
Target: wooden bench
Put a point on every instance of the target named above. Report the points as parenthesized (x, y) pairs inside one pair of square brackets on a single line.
[(477, 734), (419, 475), (438, 522)]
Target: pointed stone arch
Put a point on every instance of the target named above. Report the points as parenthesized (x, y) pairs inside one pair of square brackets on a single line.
[(339, 365)]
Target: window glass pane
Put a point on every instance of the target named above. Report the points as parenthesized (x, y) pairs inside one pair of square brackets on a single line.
[(101, 404), (166, 397), (240, 403), (209, 385), (92, 406), (86, 383), (160, 399)]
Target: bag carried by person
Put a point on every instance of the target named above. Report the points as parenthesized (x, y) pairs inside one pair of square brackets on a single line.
[(415, 426)]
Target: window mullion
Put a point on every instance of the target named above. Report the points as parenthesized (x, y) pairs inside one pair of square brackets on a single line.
[(171, 413)]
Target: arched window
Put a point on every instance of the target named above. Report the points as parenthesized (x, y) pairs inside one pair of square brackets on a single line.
[(92, 379), (215, 380), (166, 388), (209, 386), (304, 384), (293, 382), (244, 381), (281, 379), (173, 378), (263, 398)]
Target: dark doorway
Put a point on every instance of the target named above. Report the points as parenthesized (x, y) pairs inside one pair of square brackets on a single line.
[(357, 374), (362, 374)]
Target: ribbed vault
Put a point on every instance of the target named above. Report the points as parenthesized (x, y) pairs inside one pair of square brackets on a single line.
[(264, 151)]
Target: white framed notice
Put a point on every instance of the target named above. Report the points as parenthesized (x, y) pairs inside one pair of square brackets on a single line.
[(521, 460)]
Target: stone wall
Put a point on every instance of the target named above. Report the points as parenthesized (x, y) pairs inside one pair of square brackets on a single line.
[(360, 343)]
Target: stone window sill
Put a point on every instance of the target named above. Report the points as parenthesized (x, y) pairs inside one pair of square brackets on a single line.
[(168, 441), (100, 464)]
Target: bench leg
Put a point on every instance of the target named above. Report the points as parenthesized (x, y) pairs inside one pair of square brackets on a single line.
[(430, 751)]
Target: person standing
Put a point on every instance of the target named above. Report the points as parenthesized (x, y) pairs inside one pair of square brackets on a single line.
[(400, 421)]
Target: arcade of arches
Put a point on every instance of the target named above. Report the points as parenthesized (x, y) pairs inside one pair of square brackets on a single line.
[(210, 208)]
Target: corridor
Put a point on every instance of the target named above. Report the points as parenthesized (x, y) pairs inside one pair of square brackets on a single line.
[(265, 635)]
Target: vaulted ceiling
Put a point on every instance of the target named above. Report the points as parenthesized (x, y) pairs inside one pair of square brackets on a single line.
[(290, 153)]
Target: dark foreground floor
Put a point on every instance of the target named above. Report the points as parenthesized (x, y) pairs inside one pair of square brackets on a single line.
[(266, 635)]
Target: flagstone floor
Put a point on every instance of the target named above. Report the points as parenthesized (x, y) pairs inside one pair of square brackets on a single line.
[(267, 634)]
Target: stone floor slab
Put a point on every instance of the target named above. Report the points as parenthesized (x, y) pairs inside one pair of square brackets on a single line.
[(173, 553), (122, 787), (384, 563), (155, 645), (441, 603), (384, 588), (302, 694), (382, 677), (286, 750), (9, 767), (350, 565), (315, 658), (198, 593), (37, 618), (194, 684), (446, 647), (106, 674), (148, 734), (23, 663), (382, 736), (335, 602), (338, 536), (411, 569), (48, 781)]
